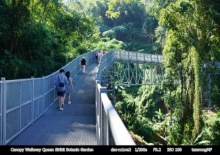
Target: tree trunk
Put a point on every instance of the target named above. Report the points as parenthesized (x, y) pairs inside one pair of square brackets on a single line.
[(196, 102)]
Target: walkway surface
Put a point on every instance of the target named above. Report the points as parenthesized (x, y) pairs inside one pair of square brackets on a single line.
[(75, 125)]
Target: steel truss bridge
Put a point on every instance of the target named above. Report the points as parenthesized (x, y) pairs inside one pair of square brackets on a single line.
[(23, 101), (124, 68), (130, 68)]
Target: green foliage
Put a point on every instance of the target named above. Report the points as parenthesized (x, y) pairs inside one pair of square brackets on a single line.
[(108, 44), (137, 109), (214, 91), (216, 130), (210, 132), (136, 123), (204, 142), (81, 50), (35, 32), (142, 126), (149, 100), (188, 36), (140, 47)]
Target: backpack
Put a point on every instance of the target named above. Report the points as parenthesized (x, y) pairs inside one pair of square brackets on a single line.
[(61, 84)]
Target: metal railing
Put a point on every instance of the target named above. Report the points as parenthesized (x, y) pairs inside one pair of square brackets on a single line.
[(23, 101), (121, 55), (110, 130)]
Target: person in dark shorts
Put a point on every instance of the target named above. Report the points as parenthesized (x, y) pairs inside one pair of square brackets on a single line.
[(83, 64), (60, 81), (96, 56)]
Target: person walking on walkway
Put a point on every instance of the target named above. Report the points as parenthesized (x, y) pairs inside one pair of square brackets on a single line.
[(96, 56), (99, 57), (69, 86), (83, 64), (60, 81)]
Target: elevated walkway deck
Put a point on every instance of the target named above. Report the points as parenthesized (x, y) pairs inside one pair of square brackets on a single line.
[(75, 125)]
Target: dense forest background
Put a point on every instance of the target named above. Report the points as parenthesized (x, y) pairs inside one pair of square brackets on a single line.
[(37, 37)]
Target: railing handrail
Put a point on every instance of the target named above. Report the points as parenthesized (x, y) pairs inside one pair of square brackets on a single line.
[(108, 118), (33, 97), (30, 97)]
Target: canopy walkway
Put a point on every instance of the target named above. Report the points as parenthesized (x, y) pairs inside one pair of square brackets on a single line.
[(28, 107)]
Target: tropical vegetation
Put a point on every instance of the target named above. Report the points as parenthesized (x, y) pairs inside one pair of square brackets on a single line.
[(185, 32)]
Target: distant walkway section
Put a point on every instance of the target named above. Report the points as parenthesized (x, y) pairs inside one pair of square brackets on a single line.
[(75, 125)]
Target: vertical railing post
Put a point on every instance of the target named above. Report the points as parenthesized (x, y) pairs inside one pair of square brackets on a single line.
[(97, 113), (157, 59), (32, 99), (44, 99), (106, 126), (4, 93), (151, 69), (144, 57), (102, 118), (78, 64), (129, 56), (209, 88), (1, 112), (151, 57), (136, 57)]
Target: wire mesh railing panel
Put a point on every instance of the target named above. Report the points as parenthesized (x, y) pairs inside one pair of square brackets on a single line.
[(26, 115), (13, 123)]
